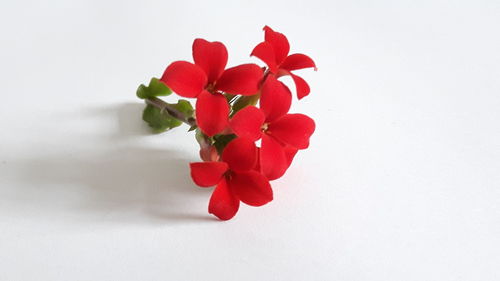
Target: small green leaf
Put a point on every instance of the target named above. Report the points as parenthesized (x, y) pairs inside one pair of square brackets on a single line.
[(159, 121), (244, 101), (155, 88), (185, 107), (142, 91)]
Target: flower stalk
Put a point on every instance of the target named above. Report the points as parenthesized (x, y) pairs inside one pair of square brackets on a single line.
[(172, 111)]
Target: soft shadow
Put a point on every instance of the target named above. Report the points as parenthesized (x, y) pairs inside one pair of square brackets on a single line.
[(125, 182), (127, 117), (129, 121)]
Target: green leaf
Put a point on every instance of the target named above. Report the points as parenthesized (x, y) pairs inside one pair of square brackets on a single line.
[(244, 101), (155, 88), (159, 121), (185, 107)]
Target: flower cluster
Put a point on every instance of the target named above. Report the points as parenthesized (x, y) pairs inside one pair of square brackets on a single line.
[(229, 123)]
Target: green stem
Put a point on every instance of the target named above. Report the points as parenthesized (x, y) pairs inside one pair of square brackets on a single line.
[(172, 111)]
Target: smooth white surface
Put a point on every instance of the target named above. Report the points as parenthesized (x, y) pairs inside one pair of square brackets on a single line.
[(402, 180)]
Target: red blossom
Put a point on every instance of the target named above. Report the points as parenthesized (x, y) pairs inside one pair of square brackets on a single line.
[(206, 80), (234, 178), (274, 52), (282, 133)]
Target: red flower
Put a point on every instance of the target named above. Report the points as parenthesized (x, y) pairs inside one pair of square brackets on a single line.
[(274, 52), (282, 133), (235, 179), (206, 79)]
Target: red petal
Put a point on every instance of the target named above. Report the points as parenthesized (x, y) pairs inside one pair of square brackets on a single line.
[(211, 57), (265, 52), (212, 113), (247, 123), (240, 154), (185, 78), (207, 174), (297, 61), (257, 164), (301, 86), (241, 80), (275, 99), (252, 188), (290, 153), (293, 129), (223, 203), (279, 42), (273, 161)]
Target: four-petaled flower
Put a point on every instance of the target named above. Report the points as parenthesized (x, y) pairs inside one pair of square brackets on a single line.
[(274, 52), (235, 179), (280, 131), (206, 79)]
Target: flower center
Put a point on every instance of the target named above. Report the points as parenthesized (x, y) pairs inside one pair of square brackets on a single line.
[(210, 88), (264, 127), (228, 174)]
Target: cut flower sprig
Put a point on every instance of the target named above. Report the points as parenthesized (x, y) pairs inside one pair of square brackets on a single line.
[(235, 108)]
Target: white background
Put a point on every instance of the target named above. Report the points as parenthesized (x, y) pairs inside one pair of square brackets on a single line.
[(401, 182)]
